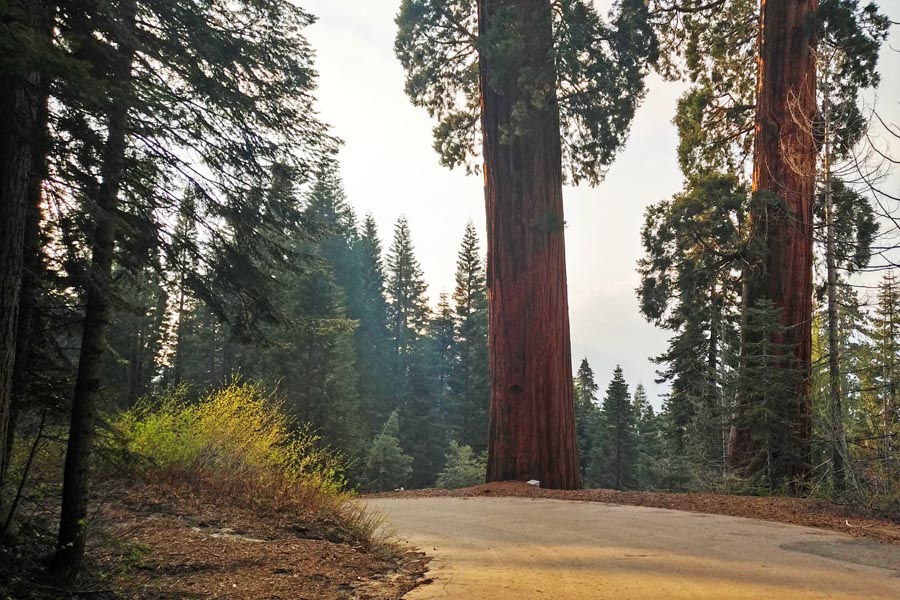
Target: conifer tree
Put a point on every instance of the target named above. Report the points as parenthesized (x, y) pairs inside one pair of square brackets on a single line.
[(542, 85), (881, 375), (770, 421), (784, 167), (648, 467), (388, 467), (373, 346), (407, 305), (136, 334), (411, 366), (694, 247), (462, 468), (334, 223), (151, 114), (26, 33), (615, 456), (442, 339), (587, 415), (470, 379)]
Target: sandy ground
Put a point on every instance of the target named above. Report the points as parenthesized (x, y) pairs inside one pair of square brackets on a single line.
[(517, 548)]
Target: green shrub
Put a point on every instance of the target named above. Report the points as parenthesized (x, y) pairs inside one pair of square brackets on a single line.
[(462, 469), (238, 430)]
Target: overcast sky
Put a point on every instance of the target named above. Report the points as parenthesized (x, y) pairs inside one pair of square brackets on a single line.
[(390, 169)]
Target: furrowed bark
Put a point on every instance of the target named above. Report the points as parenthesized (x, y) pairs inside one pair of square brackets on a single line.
[(71, 541), (784, 165), (19, 102), (532, 411), (32, 261)]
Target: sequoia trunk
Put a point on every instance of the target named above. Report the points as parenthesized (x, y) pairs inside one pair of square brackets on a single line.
[(532, 411), (784, 167)]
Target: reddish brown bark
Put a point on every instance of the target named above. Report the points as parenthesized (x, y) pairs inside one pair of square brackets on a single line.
[(532, 413), (19, 101), (784, 165)]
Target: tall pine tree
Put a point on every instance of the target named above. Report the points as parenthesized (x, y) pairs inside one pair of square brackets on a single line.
[(614, 458), (470, 379)]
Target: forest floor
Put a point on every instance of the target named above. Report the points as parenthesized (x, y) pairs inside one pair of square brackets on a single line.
[(808, 512), (168, 542)]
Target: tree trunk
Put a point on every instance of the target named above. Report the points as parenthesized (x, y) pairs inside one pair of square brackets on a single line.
[(19, 102), (70, 544), (784, 165), (532, 412), (32, 261), (838, 443)]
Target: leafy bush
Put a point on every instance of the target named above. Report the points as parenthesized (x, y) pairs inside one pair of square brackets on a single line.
[(238, 430), (462, 469)]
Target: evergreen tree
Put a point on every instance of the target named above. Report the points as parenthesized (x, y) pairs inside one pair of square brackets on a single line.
[(649, 468), (587, 414), (615, 455), (881, 374), (388, 467), (26, 32), (373, 346), (462, 468), (407, 306), (334, 223), (769, 422), (545, 94), (694, 246), (136, 334), (412, 365), (442, 339), (315, 362), (150, 114), (470, 378), (199, 358)]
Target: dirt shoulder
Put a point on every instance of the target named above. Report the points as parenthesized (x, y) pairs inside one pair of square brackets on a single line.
[(166, 541), (797, 511), (170, 542)]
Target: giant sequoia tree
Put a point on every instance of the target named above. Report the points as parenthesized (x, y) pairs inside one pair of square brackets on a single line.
[(546, 85), (788, 133), (728, 116)]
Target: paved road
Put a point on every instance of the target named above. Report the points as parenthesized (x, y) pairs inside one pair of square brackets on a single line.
[(515, 548)]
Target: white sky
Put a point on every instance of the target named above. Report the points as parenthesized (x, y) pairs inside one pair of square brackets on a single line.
[(390, 169)]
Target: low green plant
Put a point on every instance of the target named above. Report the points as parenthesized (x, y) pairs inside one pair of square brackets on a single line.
[(462, 469), (237, 431)]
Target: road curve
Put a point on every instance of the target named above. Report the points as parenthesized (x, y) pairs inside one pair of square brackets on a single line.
[(517, 548)]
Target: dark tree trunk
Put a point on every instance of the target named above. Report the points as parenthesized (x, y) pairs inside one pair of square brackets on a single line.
[(784, 165), (20, 95), (32, 262), (70, 545), (532, 413)]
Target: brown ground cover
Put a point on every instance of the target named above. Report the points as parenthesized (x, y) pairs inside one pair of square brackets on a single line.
[(176, 541), (797, 511), (173, 542)]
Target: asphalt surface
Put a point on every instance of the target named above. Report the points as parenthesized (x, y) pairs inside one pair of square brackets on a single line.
[(516, 548)]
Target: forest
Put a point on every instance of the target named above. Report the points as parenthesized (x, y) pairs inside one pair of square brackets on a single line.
[(188, 296)]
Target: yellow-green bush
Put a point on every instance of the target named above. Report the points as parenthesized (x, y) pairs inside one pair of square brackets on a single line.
[(238, 430)]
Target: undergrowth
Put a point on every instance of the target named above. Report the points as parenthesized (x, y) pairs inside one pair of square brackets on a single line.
[(238, 446)]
